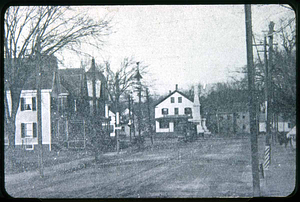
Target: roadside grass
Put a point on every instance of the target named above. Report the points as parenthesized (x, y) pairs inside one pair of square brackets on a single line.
[(21, 160)]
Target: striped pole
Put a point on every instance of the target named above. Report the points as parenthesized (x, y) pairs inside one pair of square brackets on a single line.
[(267, 157)]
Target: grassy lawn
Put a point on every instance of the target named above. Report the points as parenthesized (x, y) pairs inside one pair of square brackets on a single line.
[(21, 160)]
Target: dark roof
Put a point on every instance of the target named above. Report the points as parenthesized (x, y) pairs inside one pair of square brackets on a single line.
[(46, 81), (48, 66), (73, 80), (98, 75), (160, 101), (58, 88)]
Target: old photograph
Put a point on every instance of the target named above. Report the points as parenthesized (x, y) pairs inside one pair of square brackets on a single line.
[(149, 101)]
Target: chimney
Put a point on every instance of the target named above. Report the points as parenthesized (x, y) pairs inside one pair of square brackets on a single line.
[(176, 87), (169, 91)]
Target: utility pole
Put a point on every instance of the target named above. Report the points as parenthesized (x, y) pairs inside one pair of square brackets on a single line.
[(139, 77), (267, 156), (94, 87), (149, 115), (218, 122), (133, 112), (268, 90), (117, 111), (252, 108), (130, 122), (39, 107), (269, 83)]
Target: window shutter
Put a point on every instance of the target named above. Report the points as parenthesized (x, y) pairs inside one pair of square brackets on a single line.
[(34, 130), (22, 130), (33, 103), (22, 104)]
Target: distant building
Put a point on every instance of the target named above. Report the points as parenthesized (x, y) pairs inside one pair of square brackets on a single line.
[(230, 122), (238, 122), (279, 124), (177, 107), (171, 110)]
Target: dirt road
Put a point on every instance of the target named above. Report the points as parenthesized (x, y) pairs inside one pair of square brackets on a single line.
[(205, 168)]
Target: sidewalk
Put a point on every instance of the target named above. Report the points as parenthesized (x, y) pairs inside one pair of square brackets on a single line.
[(280, 179)]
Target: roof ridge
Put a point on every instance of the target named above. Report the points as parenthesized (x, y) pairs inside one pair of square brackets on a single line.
[(176, 90)]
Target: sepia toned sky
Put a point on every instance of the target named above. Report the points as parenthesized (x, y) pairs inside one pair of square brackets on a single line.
[(181, 44)]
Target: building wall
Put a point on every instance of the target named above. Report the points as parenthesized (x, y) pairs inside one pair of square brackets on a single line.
[(162, 130), (112, 122), (171, 106), (242, 122), (46, 117), (282, 126), (171, 110), (29, 116)]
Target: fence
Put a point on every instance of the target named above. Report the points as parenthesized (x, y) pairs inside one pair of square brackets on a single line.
[(76, 134)]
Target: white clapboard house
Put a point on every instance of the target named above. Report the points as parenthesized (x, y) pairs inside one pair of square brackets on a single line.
[(174, 108), (65, 106)]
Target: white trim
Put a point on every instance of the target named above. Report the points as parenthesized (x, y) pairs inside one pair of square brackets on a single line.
[(63, 94), (28, 148), (34, 91)]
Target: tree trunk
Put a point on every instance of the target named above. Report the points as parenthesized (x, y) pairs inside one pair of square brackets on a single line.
[(10, 129)]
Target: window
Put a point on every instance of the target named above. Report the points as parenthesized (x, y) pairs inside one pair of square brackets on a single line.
[(28, 103), (179, 99), (176, 111), (163, 124), (172, 100), (62, 105), (28, 130), (244, 127), (165, 111), (75, 106), (187, 111)]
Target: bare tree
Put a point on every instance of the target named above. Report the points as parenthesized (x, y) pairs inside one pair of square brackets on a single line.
[(284, 70), (57, 28), (122, 81)]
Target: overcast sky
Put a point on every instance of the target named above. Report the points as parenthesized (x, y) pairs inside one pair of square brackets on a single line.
[(182, 45)]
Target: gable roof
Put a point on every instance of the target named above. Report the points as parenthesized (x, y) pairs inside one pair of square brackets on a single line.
[(172, 93), (73, 80), (46, 81), (95, 72), (47, 67), (57, 87)]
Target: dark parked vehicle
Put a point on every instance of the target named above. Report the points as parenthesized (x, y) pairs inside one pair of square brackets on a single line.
[(187, 131)]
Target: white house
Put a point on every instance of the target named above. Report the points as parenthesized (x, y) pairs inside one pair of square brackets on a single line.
[(26, 133), (280, 124), (124, 125), (171, 110), (112, 123)]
